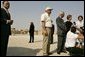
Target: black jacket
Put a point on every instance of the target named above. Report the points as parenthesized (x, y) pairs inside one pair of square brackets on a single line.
[(31, 29), (5, 28), (61, 28), (68, 25)]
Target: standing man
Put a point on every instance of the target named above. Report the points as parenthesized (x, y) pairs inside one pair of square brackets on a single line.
[(61, 29), (46, 29), (6, 23), (31, 32)]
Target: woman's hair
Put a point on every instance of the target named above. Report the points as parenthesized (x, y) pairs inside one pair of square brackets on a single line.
[(80, 16), (68, 16)]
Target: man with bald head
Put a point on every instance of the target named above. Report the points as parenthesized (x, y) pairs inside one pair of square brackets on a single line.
[(6, 23), (61, 29)]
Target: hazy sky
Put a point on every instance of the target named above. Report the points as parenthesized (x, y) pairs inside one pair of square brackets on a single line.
[(23, 12)]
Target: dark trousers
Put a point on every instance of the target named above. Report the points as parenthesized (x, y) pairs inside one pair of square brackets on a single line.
[(73, 51), (51, 40), (61, 43), (31, 38), (4, 44)]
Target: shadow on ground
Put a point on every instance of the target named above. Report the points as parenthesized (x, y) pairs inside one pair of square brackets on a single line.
[(21, 51)]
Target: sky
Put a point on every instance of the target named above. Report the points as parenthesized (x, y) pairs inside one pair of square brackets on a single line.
[(23, 12)]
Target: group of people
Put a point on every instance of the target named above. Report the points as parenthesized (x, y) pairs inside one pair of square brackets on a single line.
[(68, 33)]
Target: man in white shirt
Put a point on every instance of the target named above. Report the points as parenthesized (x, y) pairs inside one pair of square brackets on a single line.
[(46, 30), (71, 40)]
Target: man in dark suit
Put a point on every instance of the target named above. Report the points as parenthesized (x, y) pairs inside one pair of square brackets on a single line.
[(61, 29), (31, 31), (6, 23)]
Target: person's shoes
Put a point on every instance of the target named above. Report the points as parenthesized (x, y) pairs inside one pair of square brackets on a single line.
[(32, 41), (58, 53), (64, 51), (49, 53), (51, 43)]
